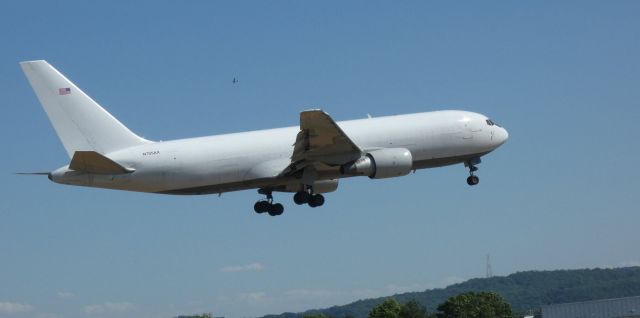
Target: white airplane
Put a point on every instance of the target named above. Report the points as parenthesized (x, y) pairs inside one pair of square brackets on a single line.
[(307, 160)]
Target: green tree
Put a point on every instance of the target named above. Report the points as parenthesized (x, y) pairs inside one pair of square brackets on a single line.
[(389, 308), (318, 315), (204, 315), (475, 305), (412, 309)]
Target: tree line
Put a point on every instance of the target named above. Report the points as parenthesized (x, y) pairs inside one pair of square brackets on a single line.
[(524, 291), (465, 305)]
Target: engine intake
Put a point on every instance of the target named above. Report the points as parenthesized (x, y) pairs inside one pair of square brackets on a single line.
[(381, 163)]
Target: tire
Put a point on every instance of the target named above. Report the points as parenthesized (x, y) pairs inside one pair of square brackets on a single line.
[(278, 209), (275, 209), (271, 210), (473, 180), (316, 200), (301, 197), (261, 207)]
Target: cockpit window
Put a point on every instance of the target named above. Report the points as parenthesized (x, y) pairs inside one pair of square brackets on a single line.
[(491, 123)]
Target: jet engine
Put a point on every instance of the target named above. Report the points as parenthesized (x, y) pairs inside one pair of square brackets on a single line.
[(381, 163)]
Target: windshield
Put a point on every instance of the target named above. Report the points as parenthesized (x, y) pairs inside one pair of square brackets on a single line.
[(491, 123)]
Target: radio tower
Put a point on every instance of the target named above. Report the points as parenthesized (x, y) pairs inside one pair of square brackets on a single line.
[(489, 270)]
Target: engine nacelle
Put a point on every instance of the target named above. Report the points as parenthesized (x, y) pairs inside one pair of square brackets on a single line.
[(381, 163)]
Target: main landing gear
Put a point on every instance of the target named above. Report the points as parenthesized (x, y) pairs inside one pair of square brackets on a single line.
[(305, 197), (268, 206), (301, 197), (472, 179)]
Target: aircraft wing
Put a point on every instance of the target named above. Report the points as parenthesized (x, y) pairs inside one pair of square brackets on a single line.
[(321, 140)]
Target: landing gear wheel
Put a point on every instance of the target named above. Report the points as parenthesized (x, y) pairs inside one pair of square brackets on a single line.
[(316, 200), (301, 197), (276, 209), (267, 205), (261, 206), (472, 179)]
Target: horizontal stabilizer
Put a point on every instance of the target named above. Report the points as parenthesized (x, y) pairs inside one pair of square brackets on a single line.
[(93, 162)]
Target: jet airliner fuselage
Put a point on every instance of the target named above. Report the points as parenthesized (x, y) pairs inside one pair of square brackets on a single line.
[(307, 160)]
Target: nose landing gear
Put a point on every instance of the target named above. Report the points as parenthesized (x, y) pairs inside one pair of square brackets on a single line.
[(472, 179)]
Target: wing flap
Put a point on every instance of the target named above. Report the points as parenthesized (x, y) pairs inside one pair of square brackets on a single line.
[(94, 162), (321, 139)]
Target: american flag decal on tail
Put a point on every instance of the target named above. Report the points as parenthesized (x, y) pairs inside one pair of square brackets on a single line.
[(64, 91)]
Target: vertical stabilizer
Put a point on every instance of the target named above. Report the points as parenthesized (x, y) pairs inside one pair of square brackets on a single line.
[(81, 124)]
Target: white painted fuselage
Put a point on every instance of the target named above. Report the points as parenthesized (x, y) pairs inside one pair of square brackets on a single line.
[(308, 159), (253, 159)]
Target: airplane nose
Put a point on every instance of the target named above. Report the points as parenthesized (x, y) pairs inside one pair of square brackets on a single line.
[(502, 135)]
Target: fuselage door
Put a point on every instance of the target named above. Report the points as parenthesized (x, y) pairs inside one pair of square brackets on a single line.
[(472, 127)]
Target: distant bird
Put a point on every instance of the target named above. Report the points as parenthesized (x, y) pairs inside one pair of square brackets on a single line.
[(235, 80)]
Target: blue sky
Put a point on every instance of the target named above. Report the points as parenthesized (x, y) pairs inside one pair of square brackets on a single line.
[(562, 77)]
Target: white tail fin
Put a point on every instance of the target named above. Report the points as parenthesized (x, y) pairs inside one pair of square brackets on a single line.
[(79, 121)]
